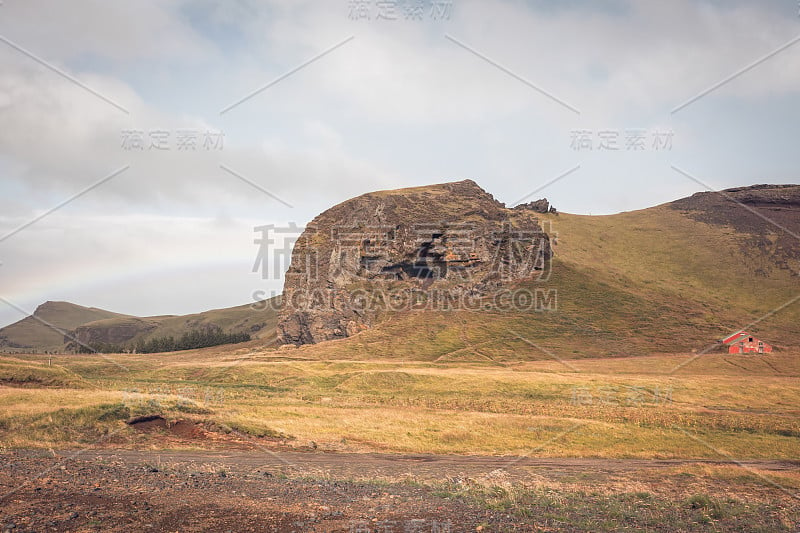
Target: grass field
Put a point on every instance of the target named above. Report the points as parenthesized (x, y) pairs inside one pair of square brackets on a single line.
[(688, 498), (617, 371), (714, 406)]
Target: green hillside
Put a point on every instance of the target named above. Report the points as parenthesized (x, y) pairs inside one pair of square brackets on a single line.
[(671, 278), (45, 329), (92, 326), (257, 322), (663, 279)]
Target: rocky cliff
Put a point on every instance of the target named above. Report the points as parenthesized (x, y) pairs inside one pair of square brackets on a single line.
[(443, 245), (767, 217)]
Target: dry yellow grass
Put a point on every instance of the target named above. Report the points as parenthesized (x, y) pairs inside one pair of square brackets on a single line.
[(631, 407)]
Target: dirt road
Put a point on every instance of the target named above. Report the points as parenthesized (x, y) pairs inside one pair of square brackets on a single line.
[(285, 491), (422, 466)]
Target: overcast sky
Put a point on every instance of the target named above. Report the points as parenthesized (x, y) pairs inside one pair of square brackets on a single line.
[(186, 124)]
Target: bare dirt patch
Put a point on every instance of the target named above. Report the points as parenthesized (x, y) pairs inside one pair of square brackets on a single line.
[(188, 491), (179, 428)]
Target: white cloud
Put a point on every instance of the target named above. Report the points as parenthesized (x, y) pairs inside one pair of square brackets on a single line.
[(95, 29), (398, 105)]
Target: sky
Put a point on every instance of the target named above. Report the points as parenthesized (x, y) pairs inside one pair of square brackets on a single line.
[(147, 147)]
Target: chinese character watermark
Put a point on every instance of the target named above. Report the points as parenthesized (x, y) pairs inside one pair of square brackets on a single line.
[(629, 140), (440, 266), (629, 396), (281, 254), (165, 140), (440, 251), (391, 10), (414, 525), (164, 395)]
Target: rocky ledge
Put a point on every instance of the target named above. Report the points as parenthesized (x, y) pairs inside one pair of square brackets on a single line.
[(383, 251)]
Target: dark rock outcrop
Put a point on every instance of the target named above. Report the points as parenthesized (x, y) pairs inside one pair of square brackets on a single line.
[(767, 217), (538, 206), (388, 251), (720, 207)]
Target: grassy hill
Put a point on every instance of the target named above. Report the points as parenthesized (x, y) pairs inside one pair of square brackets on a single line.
[(260, 324), (50, 321), (95, 325), (671, 278), (667, 279)]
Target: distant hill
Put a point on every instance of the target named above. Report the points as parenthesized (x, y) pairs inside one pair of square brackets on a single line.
[(675, 277), (45, 330), (92, 326)]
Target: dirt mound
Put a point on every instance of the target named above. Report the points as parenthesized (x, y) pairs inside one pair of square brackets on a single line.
[(187, 429)]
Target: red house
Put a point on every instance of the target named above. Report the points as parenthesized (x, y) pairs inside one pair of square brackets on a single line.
[(743, 342)]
